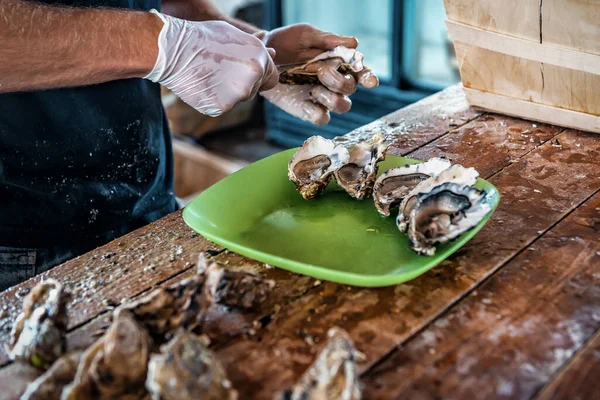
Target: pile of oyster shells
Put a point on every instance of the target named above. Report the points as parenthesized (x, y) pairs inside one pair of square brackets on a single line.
[(154, 347), (436, 201)]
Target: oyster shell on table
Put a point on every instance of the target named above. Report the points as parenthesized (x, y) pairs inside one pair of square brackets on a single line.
[(115, 366), (357, 177), (443, 213), (186, 369), (51, 383), (455, 174), (394, 184), (343, 59), (313, 165), (333, 375), (38, 334)]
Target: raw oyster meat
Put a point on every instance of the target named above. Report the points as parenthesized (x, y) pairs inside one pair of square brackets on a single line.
[(115, 366), (313, 165), (455, 174), (187, 370), (443, 213), (51, 383), (334, 374), (358, 175), (235, 288), (394, 184), (343, 59), (38, 334)]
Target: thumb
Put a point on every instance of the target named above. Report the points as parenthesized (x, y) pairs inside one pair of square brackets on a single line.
[(329, 41)]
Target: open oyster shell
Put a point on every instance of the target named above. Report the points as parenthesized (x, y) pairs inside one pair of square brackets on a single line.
[(187, 370), (394, 184), (313, 165), (115, 366), (38, 334), (343, 59), (358, 175), (443, 213), (51, 383), (455, 174), (334, 374)]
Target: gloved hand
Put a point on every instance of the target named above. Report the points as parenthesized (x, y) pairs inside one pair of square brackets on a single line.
[(300, 43), (211, 65)]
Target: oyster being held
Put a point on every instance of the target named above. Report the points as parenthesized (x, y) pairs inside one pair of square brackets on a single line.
[(358, 175), (115, 366), (455, 174), (38, 334), (443, 213), (187, 370), (51, 383), (333, 376), (394, 184), (313, 165), (343, 59)]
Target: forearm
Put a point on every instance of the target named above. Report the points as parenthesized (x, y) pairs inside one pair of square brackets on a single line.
[(203, 10), (45, 47)]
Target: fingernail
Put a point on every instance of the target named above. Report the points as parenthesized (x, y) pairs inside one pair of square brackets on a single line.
[(369, 80)]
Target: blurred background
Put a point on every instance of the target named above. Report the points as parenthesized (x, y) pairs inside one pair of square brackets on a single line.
[(404, 41)]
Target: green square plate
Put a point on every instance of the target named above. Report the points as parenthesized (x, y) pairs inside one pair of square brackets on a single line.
[(257, 212)]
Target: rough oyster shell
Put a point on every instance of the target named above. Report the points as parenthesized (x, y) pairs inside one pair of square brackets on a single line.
[(455, 174), (394, 184), (187, 370), (38, 334), (343, 59), (443, 213), (313, 165), (358, 175), (115, 366), (334, 374), (51, 383)]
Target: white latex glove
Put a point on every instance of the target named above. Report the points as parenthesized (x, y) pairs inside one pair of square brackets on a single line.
[(307, 102), (211, 65)]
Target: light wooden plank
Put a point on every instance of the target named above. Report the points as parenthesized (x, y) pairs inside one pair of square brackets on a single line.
[(533, 111), (572, 23), (519, 18)]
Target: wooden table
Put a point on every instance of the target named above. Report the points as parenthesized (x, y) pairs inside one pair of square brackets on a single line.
[(513, 314)]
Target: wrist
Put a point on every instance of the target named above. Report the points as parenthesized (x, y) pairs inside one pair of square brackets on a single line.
[(152, 26)]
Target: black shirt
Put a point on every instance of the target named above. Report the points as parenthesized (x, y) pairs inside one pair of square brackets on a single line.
[(88, 163)]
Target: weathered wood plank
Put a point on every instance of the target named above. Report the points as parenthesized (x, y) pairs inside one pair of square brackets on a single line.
[(134, 263), (536, 191), (512, 335), (579, 380)]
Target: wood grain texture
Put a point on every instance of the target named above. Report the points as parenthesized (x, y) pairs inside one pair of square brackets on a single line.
[(513, 334), (572, 23), (519, 18), (579, 380)]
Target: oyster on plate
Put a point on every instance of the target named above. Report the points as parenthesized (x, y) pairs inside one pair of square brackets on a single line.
[(443, 213), (115, 366), (455, 174), (394, 184), (38, 334), (333, 375), (51, 383), (343, 59), (358, 175), (238, 289), (186, 369), (313, 165)]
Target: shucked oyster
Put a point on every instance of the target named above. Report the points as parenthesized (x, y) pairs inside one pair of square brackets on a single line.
[(394, 184), (443, 213), (187, 370), (313, 165), (51, 383), (333, 376), (358, 175), (343, 59), (115, 366), (38, 334), (455, 174)]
